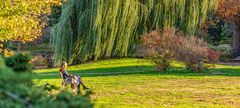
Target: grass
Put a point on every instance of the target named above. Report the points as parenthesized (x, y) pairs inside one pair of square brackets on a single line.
[(134, 83)]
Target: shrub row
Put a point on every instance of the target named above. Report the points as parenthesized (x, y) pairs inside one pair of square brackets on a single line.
[(164, 46)]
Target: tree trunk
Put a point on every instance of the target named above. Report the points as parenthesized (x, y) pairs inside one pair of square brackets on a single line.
[(236, 39), (18, 46)]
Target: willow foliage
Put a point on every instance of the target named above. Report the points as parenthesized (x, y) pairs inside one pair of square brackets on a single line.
[(90, 29)]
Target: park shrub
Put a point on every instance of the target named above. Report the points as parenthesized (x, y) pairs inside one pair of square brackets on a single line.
[(17, 91), (192, 51), (225, 49), (213, 56), (39, 62), (158, 47), (162, 47), (19, 62)]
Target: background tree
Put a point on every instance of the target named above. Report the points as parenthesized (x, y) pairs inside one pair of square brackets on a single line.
[(230, 10), (216, 30), (23, 20), (96, 29)]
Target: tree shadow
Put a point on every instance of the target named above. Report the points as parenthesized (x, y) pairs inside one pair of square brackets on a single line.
[(140, 70)]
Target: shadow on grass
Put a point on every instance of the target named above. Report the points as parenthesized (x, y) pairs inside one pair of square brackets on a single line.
[(144, 70)]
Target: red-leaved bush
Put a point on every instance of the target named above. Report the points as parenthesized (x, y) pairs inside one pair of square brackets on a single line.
[(213, 56), (158, 46), (192, 51), (162, 47)]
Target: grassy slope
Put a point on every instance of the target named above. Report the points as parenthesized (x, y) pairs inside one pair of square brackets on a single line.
[(133, 82)]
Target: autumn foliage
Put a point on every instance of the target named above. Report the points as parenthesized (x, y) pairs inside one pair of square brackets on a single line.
[(162, 47), (229, 9), (158, 46), (23, 20), (213, 56)]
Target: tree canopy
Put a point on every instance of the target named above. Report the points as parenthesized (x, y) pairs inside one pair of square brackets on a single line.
[(109, 28), (230, 11), (22, 20)]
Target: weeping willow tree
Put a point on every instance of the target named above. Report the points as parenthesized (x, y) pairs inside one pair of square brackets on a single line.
[(93, 29)]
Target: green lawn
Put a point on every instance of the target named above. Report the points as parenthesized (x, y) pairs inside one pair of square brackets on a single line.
[(134, 83)]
